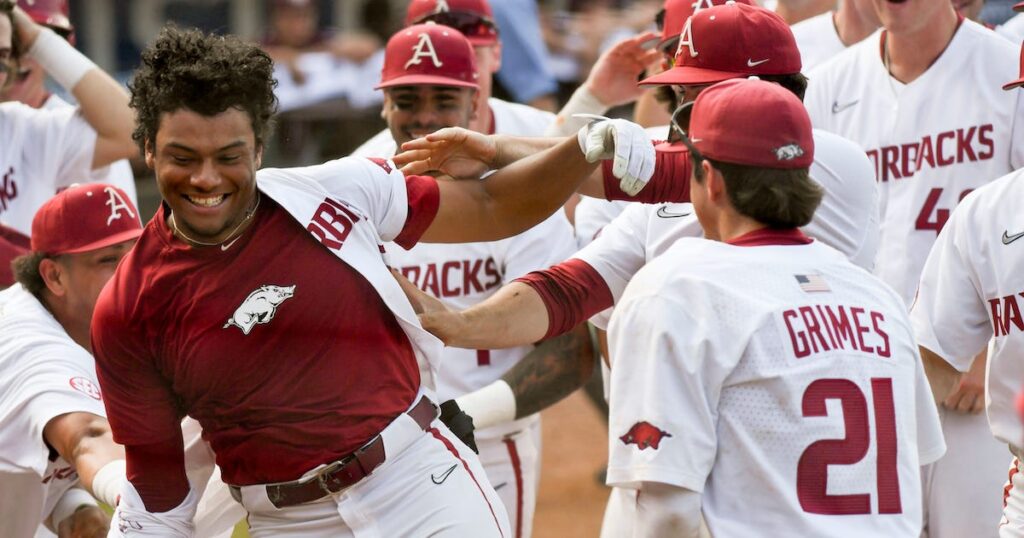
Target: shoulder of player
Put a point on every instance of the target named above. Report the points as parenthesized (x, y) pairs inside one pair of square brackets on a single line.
[(519, 119), (28, 330), (999, 197), (381, 144), (337, 176), (841, 157), (809, 28)]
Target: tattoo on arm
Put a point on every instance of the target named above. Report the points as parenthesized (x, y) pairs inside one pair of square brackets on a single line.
[(552, 371)]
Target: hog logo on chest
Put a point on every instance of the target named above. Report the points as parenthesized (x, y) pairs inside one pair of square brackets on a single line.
[(259, 307), (644, 435)]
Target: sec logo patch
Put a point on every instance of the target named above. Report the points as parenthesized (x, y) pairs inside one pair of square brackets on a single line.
[(85, 386)]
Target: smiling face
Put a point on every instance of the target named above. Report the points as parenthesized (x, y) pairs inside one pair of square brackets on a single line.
[(206, 170), (416, 111)]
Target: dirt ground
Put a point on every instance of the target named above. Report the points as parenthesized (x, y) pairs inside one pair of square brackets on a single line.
[(571, 501)]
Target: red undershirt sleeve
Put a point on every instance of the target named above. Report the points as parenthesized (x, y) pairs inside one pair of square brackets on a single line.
[(157, 471), (424, 199), (670, 182), (572, 292)]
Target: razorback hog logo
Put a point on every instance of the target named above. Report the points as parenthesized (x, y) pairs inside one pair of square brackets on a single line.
[(644, 435), (259, 307), (788, 152)]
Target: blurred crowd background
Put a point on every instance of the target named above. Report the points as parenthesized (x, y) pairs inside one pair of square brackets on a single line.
[(329, 54)]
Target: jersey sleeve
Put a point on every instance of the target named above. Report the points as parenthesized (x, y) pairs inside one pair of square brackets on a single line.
[(66, 140), (931, 445), (670, 182), (141, 406), (666, 383), (618, 252), (949, 315), (540, 247)]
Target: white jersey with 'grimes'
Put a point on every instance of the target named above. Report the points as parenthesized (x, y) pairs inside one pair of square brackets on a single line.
[(972, 291), (40, 152), (781, 382), (951, 130), (45, 374), (846, 220)]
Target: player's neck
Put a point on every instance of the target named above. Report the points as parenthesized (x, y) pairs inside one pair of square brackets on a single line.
[(851, 25), (910, 54), (76, 328), (730, 225)]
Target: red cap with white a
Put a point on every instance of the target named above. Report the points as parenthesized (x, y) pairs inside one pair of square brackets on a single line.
[(676, 13), (84, 218), (429, 55), (754, 123), (731, 41), (471, 17)]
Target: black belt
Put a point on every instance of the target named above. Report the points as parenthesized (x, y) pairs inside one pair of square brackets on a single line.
[(344, 472)]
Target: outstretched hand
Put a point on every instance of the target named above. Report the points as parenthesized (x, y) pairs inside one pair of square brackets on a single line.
[(457, 152), (435, 317), (613, 79)]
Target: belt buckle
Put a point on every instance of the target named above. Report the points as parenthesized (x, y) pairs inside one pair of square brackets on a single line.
[(328, 472)]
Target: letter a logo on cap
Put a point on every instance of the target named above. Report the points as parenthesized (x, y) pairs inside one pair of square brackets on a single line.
[(424, 48), (117, 204), (701, 4), (442, 7), (686, 39)]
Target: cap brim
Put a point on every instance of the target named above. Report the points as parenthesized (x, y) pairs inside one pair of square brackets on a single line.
[(105, 242), (482, 41), (1019, 6), (684, 75), (426, 80), (1015, 84)]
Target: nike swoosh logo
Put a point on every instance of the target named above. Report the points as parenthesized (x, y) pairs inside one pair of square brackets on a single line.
[(226, 246), (501, 485), (665, 214), (752, 63), (1007, 238), (837, 108), (444, 476)]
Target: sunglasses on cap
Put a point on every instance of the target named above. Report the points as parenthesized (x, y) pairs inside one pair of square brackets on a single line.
[(469, 24)]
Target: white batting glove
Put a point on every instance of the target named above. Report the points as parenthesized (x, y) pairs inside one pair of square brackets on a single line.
[(626, 143)]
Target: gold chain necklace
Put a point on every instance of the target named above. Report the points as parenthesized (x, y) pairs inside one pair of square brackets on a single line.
[(248, 215)]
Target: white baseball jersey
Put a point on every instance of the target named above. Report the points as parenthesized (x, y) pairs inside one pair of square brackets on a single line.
[(817, 39), (972, 290), (509, 119), (795, 402), (45, 375), (930, 147), (118, 173), (1012, 29), (846, 220), (42, 151)]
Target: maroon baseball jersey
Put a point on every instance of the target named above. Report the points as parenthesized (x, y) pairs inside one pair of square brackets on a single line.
[(285, 355)]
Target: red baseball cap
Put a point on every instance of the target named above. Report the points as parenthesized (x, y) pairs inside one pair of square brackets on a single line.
[(1019, 6), (429, 55), (471, 17), (731, 41), (1020, 80), (84, 218), (752, 122), (677, 11), (51, 13)]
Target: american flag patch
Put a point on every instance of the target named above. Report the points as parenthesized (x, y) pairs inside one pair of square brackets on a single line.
[(812, 283)]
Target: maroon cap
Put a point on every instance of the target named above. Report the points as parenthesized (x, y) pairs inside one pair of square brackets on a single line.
[(676, 13), (83, 218), (1019, 6), (754, 123), (1020, 80), (731, 41), (471, 17), (51, 13), (429, 55)]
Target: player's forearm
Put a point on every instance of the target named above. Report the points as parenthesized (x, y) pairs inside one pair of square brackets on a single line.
[(664, 510), (551, 371), (510, 149), (941, 375), (514, 316)]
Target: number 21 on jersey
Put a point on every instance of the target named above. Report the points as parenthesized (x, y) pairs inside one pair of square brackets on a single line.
[(812, 469)]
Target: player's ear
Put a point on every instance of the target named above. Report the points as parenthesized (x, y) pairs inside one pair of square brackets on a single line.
[(259, 156), (150, 160), (713, 182), (496, 51), (474, 98), (54, 276)]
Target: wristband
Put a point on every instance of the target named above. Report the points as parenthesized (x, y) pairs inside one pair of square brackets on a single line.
[(60, 60), (106, 484), (69, 503), (492, 405), (581, 102)]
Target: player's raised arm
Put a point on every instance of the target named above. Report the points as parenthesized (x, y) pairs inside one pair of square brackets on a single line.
[(525, 192), (102, 101)]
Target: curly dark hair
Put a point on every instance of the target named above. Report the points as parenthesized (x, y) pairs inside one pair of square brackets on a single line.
[(205, 73), (6, 8), (26, 272)]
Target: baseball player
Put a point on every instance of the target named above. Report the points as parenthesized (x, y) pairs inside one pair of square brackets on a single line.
[(968, 299), (52, 422), (930, 150), (472, 18), (817, 378), (12, 245), (826, 35), (30, 88), (314, 439), (45, 150), (421, 95)]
